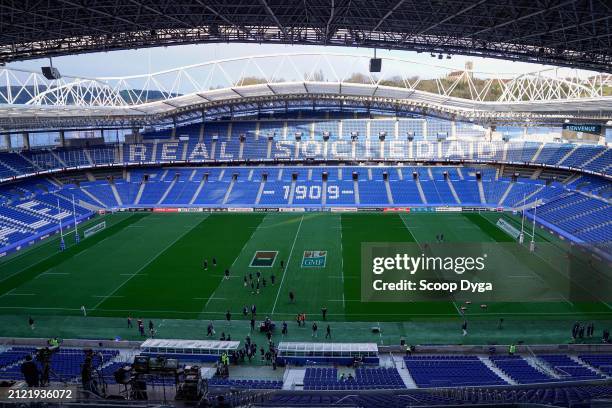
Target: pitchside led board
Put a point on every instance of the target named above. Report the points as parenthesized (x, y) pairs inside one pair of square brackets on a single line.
[(446, 272)]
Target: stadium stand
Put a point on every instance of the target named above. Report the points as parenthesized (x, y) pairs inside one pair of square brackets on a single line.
[(577, 210), (568, 368), (517, 368), (445, 371), (364, 379)]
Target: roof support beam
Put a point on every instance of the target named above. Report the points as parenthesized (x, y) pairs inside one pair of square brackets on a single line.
[(275, 18), (462, 11), (524, 17), (382, 20)]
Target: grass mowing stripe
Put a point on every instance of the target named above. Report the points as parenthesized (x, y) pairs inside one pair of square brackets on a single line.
[(454, 301), (174, 279), (246, 242), (287, 266), (488, 228), (153, 258), (44, 265)]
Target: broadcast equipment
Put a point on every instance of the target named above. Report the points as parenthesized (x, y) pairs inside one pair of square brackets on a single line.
[(44, 355), (148, 365), (190, 388), (123, 375), (134, 377), (141, 364)]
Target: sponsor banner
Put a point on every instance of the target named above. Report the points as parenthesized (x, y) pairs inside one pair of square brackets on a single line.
[(3, 254), (210, 209), (165, 210), (189, 210), (397, 209), (314, 259), (343, 209), (101, 212), (263, 259), (239, 209), (265, 209), (370, 209), (422, 209), (480, 209), (295, 209), (448, 209), (507, 228)]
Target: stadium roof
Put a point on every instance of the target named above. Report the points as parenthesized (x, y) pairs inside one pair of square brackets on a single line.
[(279, 82), (568, 33)]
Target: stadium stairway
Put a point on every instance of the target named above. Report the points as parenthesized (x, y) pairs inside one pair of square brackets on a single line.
[(398, 362), (421, 192), (505, 195), (229, 189), (116, 193), (324, 193), (92, 196), (388, 190), (452, 190), (199, 189), (594, 158), (170, 187), (141, 188), (262, 185), (501, 374), (292, 191), (294, 379), (481, 192)]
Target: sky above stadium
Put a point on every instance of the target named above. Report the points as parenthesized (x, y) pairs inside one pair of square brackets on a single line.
[(142, 61)]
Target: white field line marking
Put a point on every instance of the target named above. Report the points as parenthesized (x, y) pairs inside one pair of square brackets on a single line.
[(154, 257), (342, 263), (288, 263), (105, 296), (235, 259), (317, 311), (417, 242)]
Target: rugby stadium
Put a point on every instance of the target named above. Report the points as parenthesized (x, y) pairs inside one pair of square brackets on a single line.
[(340, 203)]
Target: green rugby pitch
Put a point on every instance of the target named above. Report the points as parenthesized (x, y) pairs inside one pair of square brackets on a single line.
[(150, 265)]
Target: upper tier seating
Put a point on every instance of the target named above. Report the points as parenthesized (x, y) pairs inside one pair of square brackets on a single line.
[(348, 139)]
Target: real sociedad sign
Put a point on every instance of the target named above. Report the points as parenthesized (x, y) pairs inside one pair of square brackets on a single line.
[(340, 149)]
